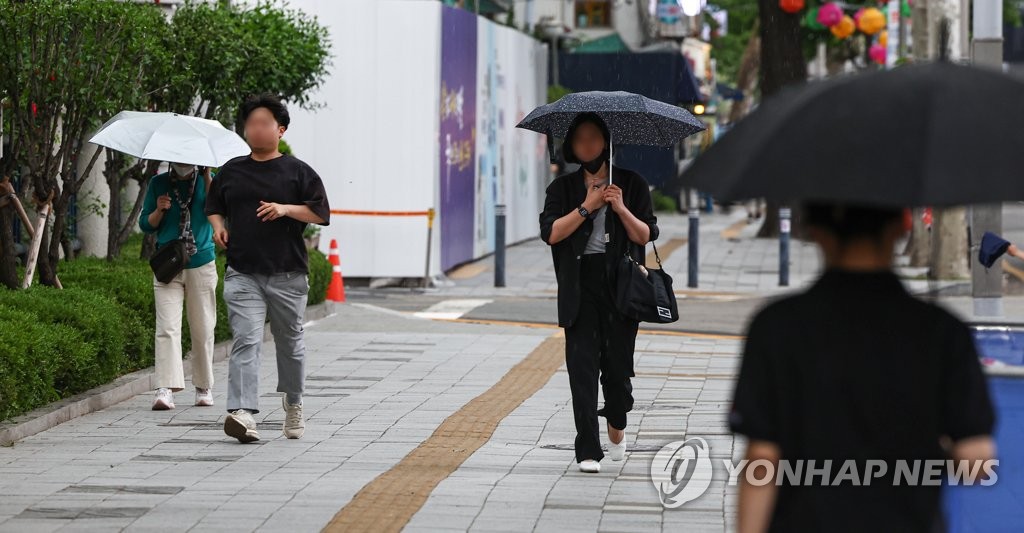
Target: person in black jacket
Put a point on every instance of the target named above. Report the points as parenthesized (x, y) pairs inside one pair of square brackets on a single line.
[(590, 224)]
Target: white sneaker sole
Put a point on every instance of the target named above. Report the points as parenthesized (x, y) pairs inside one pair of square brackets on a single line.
[(617, 452), (160, 405), (204, 403), (236, 429), (592, 468)]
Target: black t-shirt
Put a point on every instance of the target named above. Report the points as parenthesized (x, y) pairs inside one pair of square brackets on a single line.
[(254, 246), (857, 368)]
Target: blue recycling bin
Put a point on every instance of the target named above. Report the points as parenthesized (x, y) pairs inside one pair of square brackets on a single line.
[(999, 507)]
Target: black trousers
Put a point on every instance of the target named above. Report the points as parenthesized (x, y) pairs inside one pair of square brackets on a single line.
[(600, 342)]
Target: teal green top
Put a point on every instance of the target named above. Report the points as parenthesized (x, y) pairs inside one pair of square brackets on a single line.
[(168, 229)]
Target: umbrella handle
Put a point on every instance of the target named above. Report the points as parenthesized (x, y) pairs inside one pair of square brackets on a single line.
[(551, 148), (611, 159)]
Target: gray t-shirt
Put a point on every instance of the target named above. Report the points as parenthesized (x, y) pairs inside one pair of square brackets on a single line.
[(595, 245)]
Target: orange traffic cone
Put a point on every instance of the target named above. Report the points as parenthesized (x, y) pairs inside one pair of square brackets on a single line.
[(336, 290)]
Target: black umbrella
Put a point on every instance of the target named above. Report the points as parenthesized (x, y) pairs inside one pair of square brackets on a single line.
[(935, 134), (632, 119)]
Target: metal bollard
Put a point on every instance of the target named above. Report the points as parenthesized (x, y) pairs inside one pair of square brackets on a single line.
[(499, 245), (693, 261), (785, 218)]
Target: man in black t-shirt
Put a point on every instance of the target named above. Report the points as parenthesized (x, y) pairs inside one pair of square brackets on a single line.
[(259, 206), (857, 370)]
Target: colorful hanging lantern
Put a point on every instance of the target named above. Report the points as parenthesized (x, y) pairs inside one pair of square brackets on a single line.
[(811, 20), (877, 53), (844, 29), (791, 6), (829, 14), (871, 21), (883, 39)]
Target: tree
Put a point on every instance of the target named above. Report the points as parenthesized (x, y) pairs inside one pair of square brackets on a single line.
[(63, 65), (782, 64), (204, 73), (254, 50), (728, 48)]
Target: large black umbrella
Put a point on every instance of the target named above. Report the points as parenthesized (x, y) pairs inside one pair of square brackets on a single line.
[(631, 118), (935, 134)]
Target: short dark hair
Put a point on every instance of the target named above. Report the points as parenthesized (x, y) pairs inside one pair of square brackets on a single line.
[(849, 222), (269, 101), (580, 119)]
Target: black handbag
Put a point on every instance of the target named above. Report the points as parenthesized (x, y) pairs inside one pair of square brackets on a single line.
[(169, 260), (645, 297)]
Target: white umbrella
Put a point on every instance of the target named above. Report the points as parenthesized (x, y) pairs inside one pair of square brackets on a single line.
[(171, 137)]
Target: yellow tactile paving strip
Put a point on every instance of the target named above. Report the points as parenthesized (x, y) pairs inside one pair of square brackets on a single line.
[(733, 231), (664, 251), (392, 498)]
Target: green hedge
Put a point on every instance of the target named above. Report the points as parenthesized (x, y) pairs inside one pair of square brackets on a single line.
[(57, 343)]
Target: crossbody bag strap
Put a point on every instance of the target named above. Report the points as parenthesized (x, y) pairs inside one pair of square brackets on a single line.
[(184, 205)]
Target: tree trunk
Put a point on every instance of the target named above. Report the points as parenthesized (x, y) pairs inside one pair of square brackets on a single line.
[(8, 260), (746, 78), (49, 252), (920, 243), (950, 245), (782, 64), (148, 246), (117, 175), (114, 216), (949, 250)]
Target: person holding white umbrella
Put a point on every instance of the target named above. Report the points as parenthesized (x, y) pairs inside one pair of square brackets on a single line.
[(185, 274), (173, 210)]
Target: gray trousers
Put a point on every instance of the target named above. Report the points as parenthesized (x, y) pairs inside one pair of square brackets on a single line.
[(250, 298)]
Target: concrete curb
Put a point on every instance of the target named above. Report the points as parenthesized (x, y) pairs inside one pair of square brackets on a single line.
[(119, 390)]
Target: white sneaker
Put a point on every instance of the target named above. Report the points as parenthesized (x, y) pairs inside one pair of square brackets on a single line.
[(617, 451), (294, 426), (164, 400), (241, 425), (590, 466), (204, 397)]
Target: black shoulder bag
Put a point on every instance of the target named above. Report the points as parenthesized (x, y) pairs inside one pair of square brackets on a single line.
[(645, 294), (170, 259)]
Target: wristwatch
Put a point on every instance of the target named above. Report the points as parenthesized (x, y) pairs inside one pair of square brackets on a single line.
[(583, 212)]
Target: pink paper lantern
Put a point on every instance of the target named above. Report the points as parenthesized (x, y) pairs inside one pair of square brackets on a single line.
[(877, 53), (829, 14)]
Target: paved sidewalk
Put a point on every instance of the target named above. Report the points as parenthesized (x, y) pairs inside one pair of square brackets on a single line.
[(379, 385), (390, 399)]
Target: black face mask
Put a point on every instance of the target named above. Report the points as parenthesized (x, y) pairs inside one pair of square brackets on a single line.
[(594, 165)]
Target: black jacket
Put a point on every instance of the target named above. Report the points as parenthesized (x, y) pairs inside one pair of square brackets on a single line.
[(564, 195)]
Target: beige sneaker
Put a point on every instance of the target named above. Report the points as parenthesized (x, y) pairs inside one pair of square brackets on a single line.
[(241, 425), (294, 426)]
